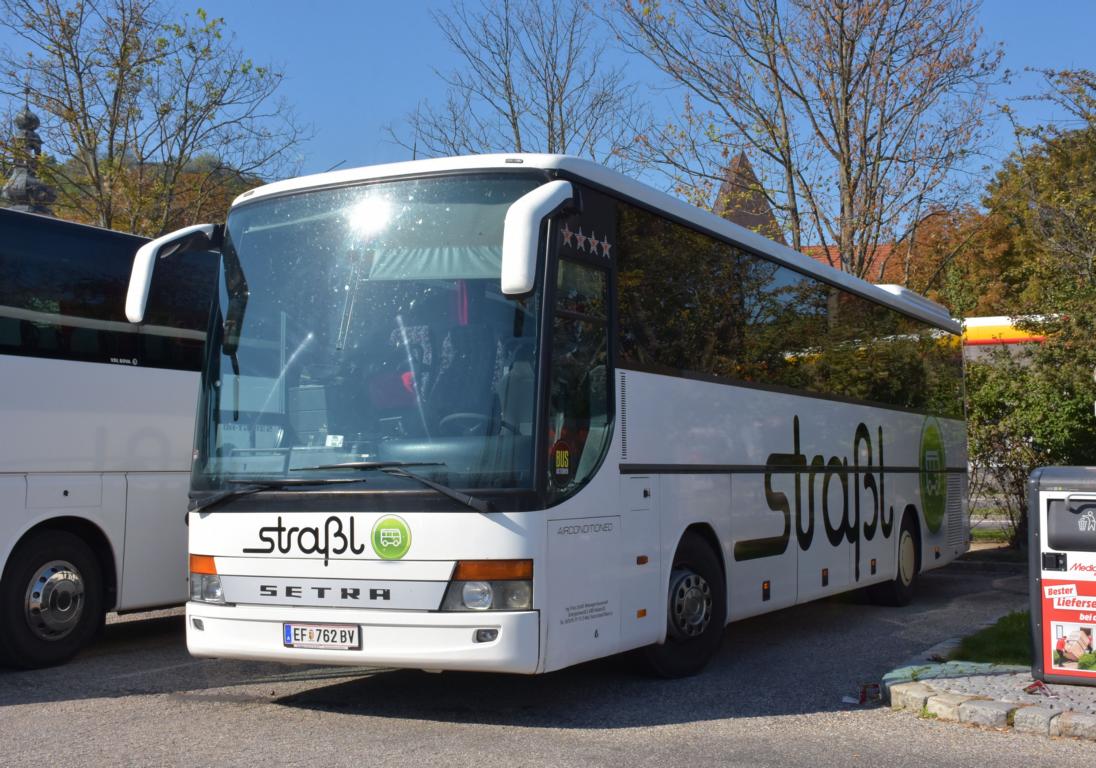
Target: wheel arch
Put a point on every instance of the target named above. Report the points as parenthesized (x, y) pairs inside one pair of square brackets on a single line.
[(92, 535), (706, 532)]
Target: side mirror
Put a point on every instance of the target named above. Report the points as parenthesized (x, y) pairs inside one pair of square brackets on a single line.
[(200, 237), (521, 234)]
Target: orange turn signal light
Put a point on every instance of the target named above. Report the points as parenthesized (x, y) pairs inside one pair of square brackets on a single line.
[(492, 570), (203, 564)]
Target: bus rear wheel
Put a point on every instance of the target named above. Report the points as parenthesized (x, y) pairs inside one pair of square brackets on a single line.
[(51, 600), (899, 591), (696, 611)]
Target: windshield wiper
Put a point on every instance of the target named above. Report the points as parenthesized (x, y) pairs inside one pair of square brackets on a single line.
[(469, 501), (371, 465), (398, 469), (248, 487)]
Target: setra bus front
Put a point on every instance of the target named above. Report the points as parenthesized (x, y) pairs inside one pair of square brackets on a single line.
[(378, 410)]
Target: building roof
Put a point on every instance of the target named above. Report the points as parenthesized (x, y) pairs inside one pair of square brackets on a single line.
[(879, 260), (741, 201)]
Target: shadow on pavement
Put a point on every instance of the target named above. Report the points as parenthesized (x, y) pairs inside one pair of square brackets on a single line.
[(796, 661)]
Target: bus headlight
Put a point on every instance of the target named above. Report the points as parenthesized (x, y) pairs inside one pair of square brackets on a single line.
[(206, 588), (205, 584), (476, 595), (490, 585), (488, 596), (516, 595)]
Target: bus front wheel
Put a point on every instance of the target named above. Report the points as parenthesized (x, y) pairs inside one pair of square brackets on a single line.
[(696, 611), (51, 600)]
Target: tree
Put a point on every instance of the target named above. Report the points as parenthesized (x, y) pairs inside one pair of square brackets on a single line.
[(1046, 192), (856, 113), (1037, 409), (533, 79), (148, 120), (960, 258)]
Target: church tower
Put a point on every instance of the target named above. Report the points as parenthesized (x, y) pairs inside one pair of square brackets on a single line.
[(24, 191), (741, 201)]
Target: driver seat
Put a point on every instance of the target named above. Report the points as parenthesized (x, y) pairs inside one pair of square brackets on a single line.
[(465, 378)]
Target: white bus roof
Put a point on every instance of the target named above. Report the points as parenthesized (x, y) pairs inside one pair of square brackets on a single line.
[(903, 299)]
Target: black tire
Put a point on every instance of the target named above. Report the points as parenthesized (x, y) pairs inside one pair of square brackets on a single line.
[(900, 590), (696, 611), (48, 625)]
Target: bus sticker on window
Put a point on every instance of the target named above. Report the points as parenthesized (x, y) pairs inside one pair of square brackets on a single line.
[(561, 463)]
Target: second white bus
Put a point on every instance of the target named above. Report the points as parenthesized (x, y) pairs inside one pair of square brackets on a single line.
[(512, 413), (97, 422)]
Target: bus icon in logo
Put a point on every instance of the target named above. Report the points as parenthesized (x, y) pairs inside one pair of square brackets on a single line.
[(932, 467), (391, 537)]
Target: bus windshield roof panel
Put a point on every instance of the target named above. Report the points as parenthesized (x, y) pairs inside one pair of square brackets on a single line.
[(586, 170)]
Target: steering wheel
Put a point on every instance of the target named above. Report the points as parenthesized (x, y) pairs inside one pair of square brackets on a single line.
[(464, 424)]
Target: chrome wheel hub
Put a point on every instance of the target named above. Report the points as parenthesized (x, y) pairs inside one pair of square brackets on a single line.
[(907, 558), (690, 604), (55, 600)]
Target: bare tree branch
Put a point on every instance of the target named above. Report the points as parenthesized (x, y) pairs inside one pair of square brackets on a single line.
[(855, 113), (149, 118), (534, 79)]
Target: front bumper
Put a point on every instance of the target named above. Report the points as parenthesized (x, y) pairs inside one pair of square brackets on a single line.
[(401, 639)]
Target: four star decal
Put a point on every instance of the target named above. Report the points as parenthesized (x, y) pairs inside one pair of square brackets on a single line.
[(585, 243)]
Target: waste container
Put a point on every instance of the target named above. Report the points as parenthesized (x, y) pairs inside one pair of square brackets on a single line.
[(1062, 538)]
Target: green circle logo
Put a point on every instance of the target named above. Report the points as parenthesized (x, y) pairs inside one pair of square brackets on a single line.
[(391, 538), (934, 486)]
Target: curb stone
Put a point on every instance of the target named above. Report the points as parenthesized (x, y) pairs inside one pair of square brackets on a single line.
[(992, 714), (1037, 720), (1079, 725), (910, 696), (912, 688), (946, 705)]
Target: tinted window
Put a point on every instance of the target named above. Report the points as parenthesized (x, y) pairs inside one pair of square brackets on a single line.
[(692, 304), (62, 295)]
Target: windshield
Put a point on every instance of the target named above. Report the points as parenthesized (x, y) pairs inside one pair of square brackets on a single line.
[(373, 329)]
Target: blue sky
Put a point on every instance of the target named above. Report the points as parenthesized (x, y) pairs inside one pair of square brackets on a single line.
[(354, 67)]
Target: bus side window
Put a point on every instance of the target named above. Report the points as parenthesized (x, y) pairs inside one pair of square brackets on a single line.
[(578, 421), (11, 332)]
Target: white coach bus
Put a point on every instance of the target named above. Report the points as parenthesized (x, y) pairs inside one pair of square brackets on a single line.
[(511, 413), (97, 421)]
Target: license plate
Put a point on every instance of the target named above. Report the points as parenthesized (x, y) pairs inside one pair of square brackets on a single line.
[(333, 637)]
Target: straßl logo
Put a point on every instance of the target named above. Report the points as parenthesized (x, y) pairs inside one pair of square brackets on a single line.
[(934, 486)]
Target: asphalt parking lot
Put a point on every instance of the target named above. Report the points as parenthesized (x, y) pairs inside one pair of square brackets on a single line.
[(772, 697)]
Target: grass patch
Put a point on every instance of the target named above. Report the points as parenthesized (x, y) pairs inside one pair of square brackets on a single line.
[(999, 535), (1006, 642)]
